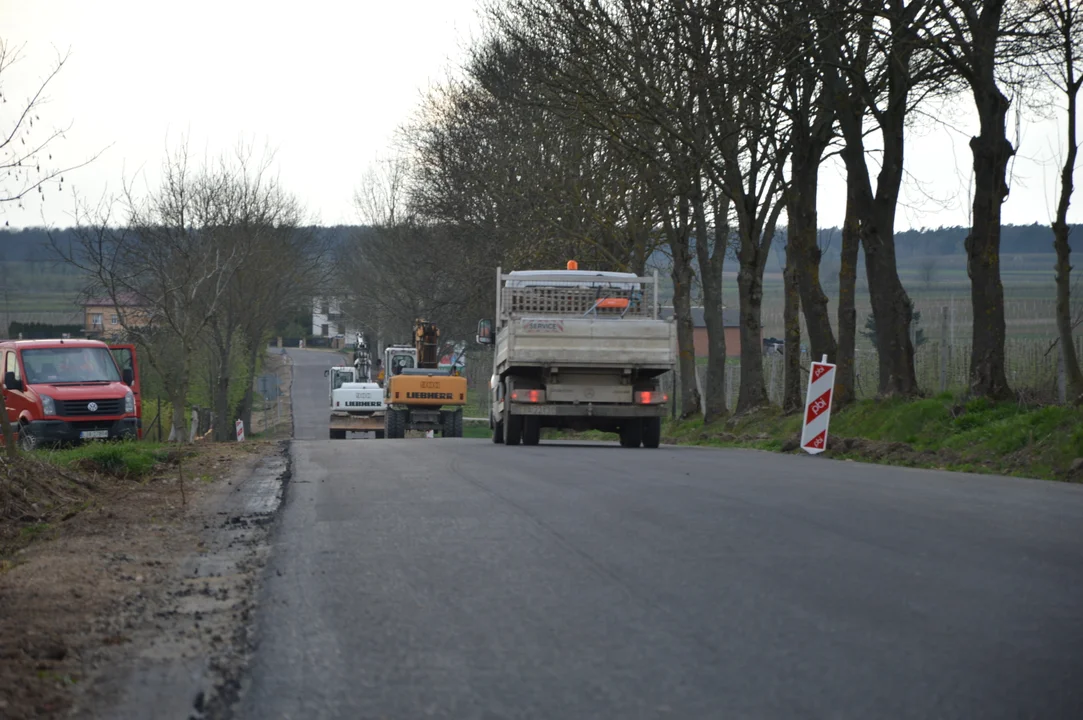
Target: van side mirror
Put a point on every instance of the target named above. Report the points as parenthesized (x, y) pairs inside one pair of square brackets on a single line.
[(128, 376), (485, 332), (326, 373), (13, 383)]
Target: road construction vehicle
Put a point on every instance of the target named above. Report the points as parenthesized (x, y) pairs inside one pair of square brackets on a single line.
[(580, 350), (357, 403), (420, 395)]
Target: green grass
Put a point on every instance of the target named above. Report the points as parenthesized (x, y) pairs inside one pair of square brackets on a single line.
[(129, 459), (476, 430), (941, 431)]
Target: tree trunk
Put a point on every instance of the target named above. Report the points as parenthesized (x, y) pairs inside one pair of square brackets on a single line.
[(682, 312), (791, 318), (178, 396), (846, 376), (5, 425), (876, 212), (1064, 311), (892, 312), (710, 272), (753, 392), (992, 151), (221, 388), (801, 232), (244, 407), (1063, 249)]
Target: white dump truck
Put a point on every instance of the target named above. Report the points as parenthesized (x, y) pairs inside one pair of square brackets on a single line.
[(357, 403), (581, 350)]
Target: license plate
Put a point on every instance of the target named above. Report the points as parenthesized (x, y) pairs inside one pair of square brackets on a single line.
[(94, 434)]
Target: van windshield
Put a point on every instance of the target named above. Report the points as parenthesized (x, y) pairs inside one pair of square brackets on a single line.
[(69, 365)]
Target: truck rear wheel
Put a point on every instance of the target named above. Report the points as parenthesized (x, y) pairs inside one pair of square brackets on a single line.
[(631, 433), (498, 432), (531, 429), (652, 432), (513, 428)]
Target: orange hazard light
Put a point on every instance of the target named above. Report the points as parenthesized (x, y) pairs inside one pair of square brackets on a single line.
[(573, 265)]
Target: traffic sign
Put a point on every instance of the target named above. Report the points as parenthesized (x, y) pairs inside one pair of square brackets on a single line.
[(821, 385)]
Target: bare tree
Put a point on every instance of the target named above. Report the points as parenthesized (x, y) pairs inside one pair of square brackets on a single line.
[(880, 69), (278, 266), (165, 259), (1062, 28), (978, 40), (846, 373), (383, 193), (26, 148)]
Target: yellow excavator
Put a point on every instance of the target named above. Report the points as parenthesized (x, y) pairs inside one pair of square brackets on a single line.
[(419, 394)]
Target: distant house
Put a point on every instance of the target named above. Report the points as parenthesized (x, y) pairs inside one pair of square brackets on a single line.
[(104, 318), (731, 321), (328, 319)]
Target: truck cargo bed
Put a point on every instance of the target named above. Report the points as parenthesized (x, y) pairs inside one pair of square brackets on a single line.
[(586, 342)]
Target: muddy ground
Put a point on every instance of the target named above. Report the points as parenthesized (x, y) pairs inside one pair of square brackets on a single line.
[(123, 598)]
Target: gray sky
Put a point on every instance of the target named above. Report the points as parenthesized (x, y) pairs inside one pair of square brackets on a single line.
[(326, 82)]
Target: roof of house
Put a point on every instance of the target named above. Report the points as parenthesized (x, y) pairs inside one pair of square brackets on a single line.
[(730, 318), (123, 300)]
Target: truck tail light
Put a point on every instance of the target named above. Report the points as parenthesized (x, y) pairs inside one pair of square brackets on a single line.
[(647, 397), (528, 396)]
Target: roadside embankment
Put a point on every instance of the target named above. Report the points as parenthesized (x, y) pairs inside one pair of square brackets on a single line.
[(941, 432)]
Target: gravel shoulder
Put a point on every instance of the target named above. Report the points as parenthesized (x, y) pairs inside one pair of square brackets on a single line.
[(139, 594)]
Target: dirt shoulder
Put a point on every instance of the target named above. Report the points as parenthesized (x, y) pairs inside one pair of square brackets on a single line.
[(123, 592)]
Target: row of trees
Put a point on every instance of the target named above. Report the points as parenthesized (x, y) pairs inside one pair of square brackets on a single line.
[(204, 265), (608, 129)]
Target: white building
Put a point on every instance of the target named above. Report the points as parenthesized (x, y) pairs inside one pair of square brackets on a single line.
[(328, 320)]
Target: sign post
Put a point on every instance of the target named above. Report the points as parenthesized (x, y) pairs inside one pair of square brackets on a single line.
[(821, 385), (240, 430)]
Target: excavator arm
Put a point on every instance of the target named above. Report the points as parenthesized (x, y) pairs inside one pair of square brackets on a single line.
[(427, 343)]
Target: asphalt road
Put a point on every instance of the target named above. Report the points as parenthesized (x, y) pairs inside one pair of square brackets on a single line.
[(460, 579)]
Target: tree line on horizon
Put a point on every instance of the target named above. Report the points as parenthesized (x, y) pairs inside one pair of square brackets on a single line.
[(32, 244)]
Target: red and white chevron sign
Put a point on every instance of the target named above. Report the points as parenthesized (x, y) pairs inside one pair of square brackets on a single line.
[(821, 384)]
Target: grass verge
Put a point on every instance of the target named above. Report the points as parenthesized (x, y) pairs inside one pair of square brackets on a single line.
[(127, 460), (938, 432)]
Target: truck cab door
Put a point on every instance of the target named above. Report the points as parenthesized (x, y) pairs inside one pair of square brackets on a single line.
[(126, 358)]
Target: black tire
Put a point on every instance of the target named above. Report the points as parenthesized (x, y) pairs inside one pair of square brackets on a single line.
[(28, 441), (652, 432), (394, 424), (531, 429), (631, 433), (513, 428), (378, 434), (451, 423), (338, 434), (498, 432)]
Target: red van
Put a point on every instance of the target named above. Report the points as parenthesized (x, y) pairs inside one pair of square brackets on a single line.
[(68, 391)]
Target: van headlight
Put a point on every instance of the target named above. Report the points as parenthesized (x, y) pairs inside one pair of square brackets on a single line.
[(129, 403), (48, 406)]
